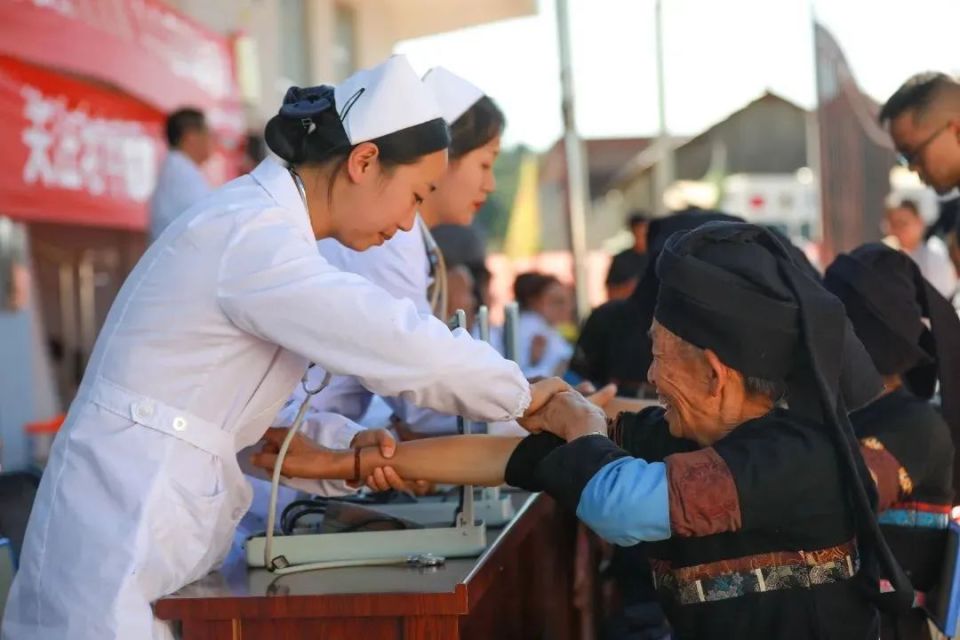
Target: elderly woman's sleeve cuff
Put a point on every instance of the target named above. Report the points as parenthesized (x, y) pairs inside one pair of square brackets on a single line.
[(522, 466), (566, 470)]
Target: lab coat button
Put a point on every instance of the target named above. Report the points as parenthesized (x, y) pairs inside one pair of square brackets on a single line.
[(179, 423), (142, 410)]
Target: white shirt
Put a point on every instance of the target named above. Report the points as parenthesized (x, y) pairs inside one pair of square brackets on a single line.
[(400, 266), (180, 185), (556, 354), (935, 265), (202, 347)]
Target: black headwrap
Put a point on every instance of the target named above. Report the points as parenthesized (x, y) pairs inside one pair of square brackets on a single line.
[(614, 345), (735, 288), (887, 299)]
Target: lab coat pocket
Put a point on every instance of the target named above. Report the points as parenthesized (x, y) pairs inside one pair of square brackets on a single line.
[(186, 531)]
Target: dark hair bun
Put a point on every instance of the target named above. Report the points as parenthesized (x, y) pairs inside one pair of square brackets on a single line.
[(307, 129)]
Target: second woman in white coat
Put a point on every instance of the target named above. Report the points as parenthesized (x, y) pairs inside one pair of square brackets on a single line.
[(410, 266)]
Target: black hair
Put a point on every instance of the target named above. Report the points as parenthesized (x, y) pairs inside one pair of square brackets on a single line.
[(529, 286), (182, 121), (478, 125), (308, 131), (637, 218), (255, 147), (916, 94), (909, 205)]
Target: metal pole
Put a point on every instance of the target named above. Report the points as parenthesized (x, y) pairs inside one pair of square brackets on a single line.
[(483, 322), (511, 321), (466, 514), (578, 193), (663, 174)]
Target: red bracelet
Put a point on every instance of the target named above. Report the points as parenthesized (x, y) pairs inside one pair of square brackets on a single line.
[(356, 464)]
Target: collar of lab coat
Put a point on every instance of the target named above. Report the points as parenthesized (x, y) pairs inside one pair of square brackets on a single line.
[(278, 182)]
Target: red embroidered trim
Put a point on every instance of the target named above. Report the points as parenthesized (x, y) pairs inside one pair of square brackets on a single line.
[(886, 471), (703, 496)]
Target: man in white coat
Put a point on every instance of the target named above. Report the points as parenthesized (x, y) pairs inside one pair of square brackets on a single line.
[(207, 339)]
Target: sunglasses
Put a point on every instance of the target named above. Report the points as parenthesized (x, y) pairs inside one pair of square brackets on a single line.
[(908, 160)]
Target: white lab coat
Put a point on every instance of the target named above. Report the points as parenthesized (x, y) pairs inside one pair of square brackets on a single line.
[(203, 345), (180, 185), (400, 266)]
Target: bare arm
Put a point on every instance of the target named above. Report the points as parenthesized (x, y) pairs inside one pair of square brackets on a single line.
[(469, 459)]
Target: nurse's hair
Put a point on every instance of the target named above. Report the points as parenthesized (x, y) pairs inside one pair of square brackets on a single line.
[(309, 131), (477, 126)]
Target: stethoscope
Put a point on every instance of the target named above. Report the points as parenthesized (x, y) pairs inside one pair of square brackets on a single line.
[(272, 563)]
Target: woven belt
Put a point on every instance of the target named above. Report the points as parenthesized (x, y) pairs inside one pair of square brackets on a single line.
[(737, 577), (917, 515)]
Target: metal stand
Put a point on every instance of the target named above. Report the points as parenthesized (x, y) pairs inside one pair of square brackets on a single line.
[(488, 504), (466, 538), (460, 541)]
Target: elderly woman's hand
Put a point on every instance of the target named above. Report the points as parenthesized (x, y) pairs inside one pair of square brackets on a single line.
[(568, 415)]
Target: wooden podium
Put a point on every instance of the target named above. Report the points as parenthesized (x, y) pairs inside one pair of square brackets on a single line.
[(520, 587)]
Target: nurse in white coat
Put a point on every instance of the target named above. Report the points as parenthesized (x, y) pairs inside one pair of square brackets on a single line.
[(207, 339), (410, 265)]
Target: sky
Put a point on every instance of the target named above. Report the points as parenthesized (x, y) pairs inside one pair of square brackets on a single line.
[(719, 55)]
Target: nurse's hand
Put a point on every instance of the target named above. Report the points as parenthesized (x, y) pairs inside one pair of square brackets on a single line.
[(386, 478), (304, 459), (568, 415), (542, 390)]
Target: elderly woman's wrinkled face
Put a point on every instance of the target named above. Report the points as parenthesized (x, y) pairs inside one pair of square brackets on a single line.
[(686, 387)]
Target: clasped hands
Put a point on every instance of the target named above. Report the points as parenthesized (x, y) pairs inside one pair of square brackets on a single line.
[(554, 407)]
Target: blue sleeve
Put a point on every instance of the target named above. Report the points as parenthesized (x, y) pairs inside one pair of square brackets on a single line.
[(626, 502), (623, 499)]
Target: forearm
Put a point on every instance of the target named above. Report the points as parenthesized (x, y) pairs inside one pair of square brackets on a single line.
[(470, 459)]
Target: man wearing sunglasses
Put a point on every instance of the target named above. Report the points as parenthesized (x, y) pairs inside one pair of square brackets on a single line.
[(923, 118)]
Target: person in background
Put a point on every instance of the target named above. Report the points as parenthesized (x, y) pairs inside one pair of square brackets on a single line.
[(544, 305), (14, 273), (460, 293), (905, 224), (466, 245), (628, 265), (614, 345), (913, 336), (923, 118), (181, 182)]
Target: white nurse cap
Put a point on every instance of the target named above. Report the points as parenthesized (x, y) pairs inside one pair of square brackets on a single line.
[(454, 94)]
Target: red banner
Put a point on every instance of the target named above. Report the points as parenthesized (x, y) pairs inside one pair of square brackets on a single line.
[(141, 46), (73, 151)]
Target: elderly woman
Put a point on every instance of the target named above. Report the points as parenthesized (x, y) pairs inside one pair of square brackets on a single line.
[(758, 517), (912, 333)]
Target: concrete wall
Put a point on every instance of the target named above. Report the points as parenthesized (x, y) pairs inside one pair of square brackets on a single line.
[(378, 26)]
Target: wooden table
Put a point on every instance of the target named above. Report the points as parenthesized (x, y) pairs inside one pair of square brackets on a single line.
[(520, 587)]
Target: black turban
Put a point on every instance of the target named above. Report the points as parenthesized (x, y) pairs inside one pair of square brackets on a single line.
[(888, 301)]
